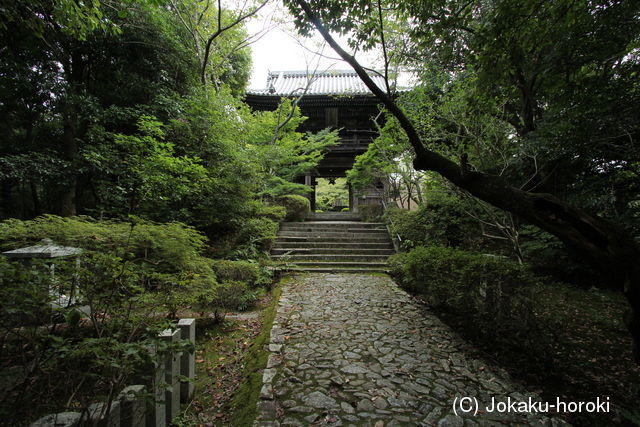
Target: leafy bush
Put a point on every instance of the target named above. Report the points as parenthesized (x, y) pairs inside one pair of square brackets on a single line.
[(130, 280), (169, 248), (276, 214), (231, 295), (253, 235), (297, 206), (441, 220), (548, 256), (111, 323), (490, 296), (115, 296), (249, 273), (370, 213), (260, 232)]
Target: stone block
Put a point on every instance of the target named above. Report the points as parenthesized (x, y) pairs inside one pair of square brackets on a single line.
[(64, 419), (133, 406), (102, 414), (172, 371), (152, 377), (188, 360), (156, 408)]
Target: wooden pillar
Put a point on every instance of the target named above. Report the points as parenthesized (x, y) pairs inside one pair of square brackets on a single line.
[(310, 181), (353, 207)]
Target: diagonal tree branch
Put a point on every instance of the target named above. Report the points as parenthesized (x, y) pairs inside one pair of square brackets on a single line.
[(605, 245), (221, 29)]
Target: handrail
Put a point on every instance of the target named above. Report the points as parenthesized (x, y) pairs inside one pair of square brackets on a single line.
[(393, 226)]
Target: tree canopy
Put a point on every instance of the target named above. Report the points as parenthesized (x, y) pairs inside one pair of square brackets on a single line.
[(562, 75), (135, 108)]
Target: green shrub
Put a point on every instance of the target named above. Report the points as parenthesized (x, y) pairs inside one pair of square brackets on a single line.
[(134, 276), (170, 247), (105, 342), (249, 273), (276, 214), (409, 226), (297, 206), (490, 296), (231, 295), (258, 232), (440, 221), (371, 213), (548, 256)]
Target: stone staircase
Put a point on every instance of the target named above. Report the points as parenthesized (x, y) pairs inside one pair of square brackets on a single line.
[(326, 244)]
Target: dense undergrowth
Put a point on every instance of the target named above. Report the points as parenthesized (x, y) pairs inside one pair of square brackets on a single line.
[(77, 329), (558, 329)]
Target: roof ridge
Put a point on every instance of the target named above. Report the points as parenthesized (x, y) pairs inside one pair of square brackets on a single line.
[(322, 73), (329, 82)]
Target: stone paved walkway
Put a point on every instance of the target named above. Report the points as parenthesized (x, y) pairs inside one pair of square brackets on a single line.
[(355, 350)]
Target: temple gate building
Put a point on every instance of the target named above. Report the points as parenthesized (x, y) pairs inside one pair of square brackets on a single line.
[(334, 99)]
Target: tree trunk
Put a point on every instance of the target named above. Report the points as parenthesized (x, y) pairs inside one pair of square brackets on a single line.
[(70, 143), (36, 200), (605, 245), (74, 69)]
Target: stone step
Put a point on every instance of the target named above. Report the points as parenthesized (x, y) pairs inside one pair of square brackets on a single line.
[(332, 216), (337, 244), (333, 237), (352, 242), (328, 257), (333, 225), (338, 269), (341, 267), (333, 233), (331, 251), (334, 246)]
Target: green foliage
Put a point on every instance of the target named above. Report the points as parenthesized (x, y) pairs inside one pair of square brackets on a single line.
[(230, 295), (249, 273), (113, 314), (148, 169), (251, 240), (227, 60), (214, 130), (276, 214), (490, 296), (115, 161), (548, 256), (441, 220), (115, 296), (281, 154), (388, 159), (371, 213), (31, 305), (170, 247), (259, 231), (75, 19), (329, 196), (297, 206)]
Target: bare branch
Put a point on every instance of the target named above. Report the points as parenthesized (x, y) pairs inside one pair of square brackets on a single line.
[(221, 29)]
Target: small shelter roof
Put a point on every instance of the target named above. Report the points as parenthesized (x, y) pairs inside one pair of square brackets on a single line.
[(46, 249)]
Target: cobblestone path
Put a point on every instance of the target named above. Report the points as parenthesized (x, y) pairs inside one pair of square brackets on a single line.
[(355, 350)]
